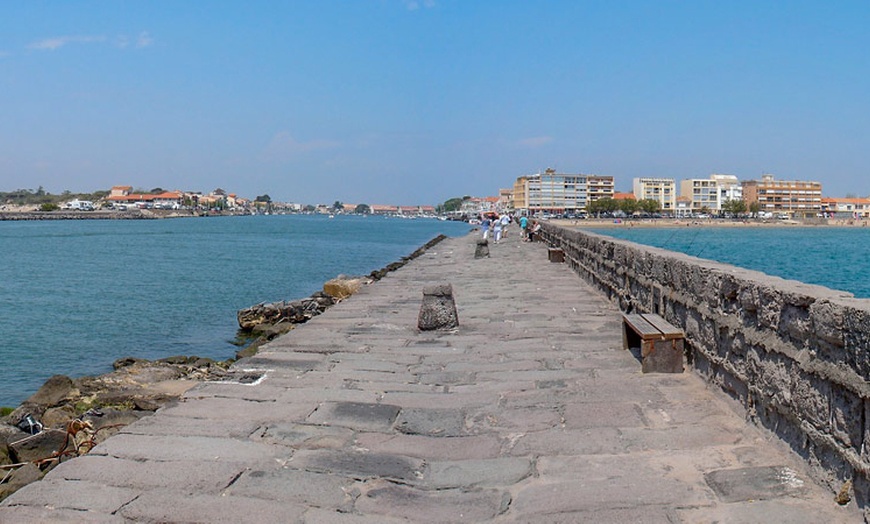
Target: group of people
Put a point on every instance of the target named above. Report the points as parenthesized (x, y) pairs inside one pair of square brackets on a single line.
[(498, 225)]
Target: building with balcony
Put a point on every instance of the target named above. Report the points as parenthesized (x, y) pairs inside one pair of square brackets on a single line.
[(846, 208), (729, 187), (662, 190), (794, 198), (709, 194), (550, 193), (598, 187)]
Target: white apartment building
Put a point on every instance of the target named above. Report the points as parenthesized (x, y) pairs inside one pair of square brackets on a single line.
[(711, 193), (662, 190), (730, 187)]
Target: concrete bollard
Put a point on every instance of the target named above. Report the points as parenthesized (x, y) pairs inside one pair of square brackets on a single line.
[(482, 249), (438, 310)]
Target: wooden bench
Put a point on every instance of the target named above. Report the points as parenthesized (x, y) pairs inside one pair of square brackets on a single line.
[(660, 343)]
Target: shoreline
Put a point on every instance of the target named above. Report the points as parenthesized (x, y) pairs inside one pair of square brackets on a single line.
[(706, 223), (138, 214)]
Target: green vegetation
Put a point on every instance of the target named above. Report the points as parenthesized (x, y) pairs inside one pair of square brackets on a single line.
[(603, 205), (363, 209), (649, 206), (734, 207), (451, 205), (39, 197), (628, 206), (5, 411), (49, 206)]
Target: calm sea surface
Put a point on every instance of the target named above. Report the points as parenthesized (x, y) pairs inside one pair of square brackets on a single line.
[(76, 295), (838, 258)]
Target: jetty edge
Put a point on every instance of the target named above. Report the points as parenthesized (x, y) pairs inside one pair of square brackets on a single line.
[(529, 410), (796, 356), (67, 417)]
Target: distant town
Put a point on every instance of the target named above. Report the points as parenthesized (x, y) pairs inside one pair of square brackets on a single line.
[(569, 195), (218, 201), (544, 194)]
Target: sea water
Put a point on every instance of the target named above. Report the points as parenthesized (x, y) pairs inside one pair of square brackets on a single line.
[(834, 257), (75, 295)]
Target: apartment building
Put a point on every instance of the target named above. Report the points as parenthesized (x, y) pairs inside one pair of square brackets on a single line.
[(506, 199), (702, 194), (709, 194), (662, 190), (550, 193), (520, 196), (729, 187), (846, 207), (598, 187), (790, 197)]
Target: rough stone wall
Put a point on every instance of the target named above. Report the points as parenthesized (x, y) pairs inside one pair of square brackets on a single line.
[(797, 356)]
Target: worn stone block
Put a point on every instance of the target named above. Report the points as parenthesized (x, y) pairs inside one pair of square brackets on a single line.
[(431, 422), (437, 506), (482, 249), (355, 415), (360, 465), (847, 411), (856, 340), (812, 397), (755, 483), (438, 310)]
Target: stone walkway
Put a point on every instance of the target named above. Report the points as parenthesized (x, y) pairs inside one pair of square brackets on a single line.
[(530, 411)]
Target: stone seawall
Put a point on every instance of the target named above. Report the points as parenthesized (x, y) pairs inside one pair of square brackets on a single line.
[(797, 356)]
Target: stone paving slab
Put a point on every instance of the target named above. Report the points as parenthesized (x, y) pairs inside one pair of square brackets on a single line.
[(529, 411)]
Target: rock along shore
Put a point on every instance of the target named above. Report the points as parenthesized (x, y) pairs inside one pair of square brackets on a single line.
[(67, 417)]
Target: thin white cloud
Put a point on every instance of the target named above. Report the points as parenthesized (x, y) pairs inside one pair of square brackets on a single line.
[(535, 141), (413, 5), (283, 146), (144, 40), (50, 44)]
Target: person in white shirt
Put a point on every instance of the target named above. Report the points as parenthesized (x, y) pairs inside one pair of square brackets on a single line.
[(496, 228)]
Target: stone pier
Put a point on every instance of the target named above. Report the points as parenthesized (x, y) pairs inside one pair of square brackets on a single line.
[(528, 411)]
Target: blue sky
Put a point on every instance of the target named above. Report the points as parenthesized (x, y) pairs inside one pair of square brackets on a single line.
[(417, 101)]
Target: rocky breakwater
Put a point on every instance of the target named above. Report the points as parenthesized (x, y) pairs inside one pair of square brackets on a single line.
[(67, 417), (265, 321)]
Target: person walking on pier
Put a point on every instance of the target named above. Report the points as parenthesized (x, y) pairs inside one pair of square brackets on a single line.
[(497, 228), (505, 222), (484, 224), (524, 228)]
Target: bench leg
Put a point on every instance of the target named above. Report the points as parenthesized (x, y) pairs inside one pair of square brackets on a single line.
[(662, 356)]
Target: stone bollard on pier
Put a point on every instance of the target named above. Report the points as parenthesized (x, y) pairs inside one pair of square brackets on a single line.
[(482, 249), (438, 310)]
